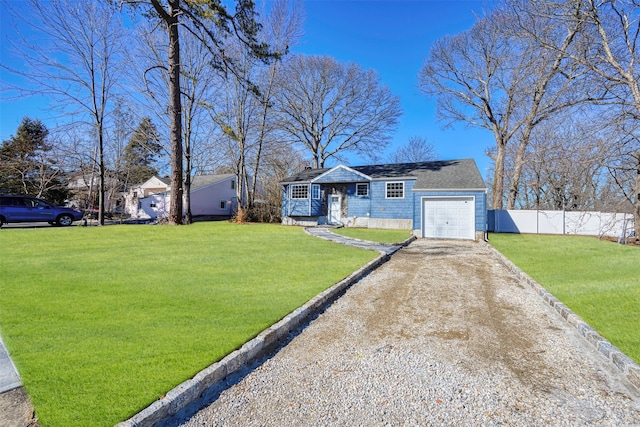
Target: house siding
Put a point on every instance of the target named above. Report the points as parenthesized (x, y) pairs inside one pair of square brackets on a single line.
[(206, 200), (300, 207), (358, 206), (384, 208)]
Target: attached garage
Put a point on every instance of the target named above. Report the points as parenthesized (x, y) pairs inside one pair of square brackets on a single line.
[(448, 217), (443, 199)]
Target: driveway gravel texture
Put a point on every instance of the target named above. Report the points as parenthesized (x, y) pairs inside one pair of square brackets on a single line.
[(441, 335)]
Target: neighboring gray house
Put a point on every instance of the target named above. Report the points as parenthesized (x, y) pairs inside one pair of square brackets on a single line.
[(210, 195), (439, 199)]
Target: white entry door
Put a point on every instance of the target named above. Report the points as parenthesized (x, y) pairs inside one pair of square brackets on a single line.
[(448, 217), (335, 202)]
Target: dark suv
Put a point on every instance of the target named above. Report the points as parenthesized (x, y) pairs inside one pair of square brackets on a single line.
[(31, 209)]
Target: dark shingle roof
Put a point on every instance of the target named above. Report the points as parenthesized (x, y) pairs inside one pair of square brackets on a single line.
[(435, 175)]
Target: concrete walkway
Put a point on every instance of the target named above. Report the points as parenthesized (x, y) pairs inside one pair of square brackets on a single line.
[(326, 234)]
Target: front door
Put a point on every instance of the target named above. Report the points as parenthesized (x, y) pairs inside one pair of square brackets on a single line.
[(335, 203)]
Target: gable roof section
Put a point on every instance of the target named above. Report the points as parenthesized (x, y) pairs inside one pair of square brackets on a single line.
[(341, 173), (154, 182), (201, 181), (460, 174)]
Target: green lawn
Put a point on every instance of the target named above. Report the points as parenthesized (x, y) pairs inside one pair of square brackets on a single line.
[(102, 321), (598, 280), (374, 235)]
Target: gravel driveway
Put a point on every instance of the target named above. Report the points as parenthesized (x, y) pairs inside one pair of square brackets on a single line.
[(442, 334)]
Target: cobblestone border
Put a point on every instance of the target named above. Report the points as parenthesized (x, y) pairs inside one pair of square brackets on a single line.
[(629, 368), (215, 376)]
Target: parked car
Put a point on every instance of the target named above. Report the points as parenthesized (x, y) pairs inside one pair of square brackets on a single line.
[(15, 208)]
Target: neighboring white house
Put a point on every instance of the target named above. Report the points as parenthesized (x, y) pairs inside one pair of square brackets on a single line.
[(210, 195), (85, 189)]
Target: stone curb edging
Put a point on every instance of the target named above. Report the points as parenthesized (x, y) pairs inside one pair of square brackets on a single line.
[(261, 346), (629, 368)]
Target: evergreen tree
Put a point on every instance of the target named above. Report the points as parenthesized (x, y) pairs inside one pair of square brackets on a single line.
[(140, 153), (27, 165)]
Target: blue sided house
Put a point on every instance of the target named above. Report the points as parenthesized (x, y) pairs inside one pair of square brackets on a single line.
[(444, 199)]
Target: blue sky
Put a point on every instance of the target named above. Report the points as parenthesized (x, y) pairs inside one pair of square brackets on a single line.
[(392, 37)]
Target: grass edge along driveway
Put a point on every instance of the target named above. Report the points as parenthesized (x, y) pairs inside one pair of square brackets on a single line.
[(101, 321), (597, 279)]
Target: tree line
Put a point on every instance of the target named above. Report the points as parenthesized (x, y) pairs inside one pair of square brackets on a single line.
[(558, 85), (555, 82), (219, 89)]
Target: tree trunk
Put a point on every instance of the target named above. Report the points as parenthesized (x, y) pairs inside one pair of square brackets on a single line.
[(636, 204), (514, 186), (175, 207), (188, 216), (498, 175), (102, 174), (188, 219)]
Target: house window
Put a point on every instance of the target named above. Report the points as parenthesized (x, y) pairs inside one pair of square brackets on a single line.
[(315, 191), (223, 204), (152, 205), (395, 190), (362, 189), (300, 191), (233, 184)]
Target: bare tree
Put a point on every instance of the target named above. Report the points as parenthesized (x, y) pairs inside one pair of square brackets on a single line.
[(469, 75), (563, 167), (608, 42), (200, 83), (496, 77), (553, 79), (72, 56), (279, 162), (236, 120), (214, 26), (330, 108), (624, 164), (614, 32), (418, 149), (283, 27), (245, 116)]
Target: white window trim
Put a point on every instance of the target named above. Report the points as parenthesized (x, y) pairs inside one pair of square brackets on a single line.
[(298, 185), (315, 196), (366, 186), (386, 189)]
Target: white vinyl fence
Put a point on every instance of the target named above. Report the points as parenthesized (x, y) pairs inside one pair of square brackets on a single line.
[(560, 222)]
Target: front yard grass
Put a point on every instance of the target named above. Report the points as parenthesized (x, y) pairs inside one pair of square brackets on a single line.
[(598, 280), (102, 321), (374, 234)]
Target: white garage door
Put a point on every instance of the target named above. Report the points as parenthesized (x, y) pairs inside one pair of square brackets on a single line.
[(448, 218)]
